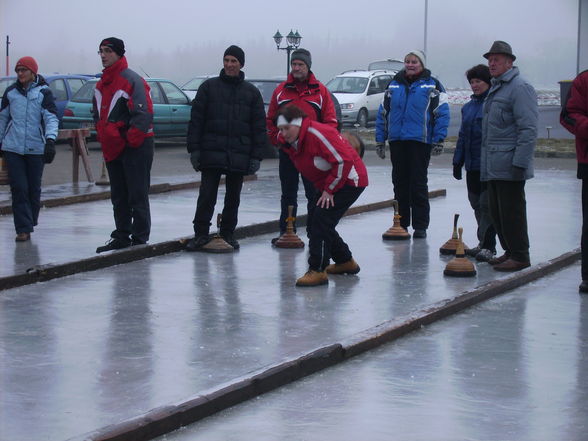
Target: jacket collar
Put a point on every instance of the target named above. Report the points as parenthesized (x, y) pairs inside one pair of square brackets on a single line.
[(310, 80), (111, 72), (223, 76), (401, 77), (506, 76)]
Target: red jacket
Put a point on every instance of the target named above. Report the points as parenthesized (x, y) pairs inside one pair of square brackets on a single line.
[(575, 115), (326, 159), (123, 110), (310, 95)]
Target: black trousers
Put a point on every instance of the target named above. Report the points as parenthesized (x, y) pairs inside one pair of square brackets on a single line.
[(289, 179), (130, 178), (478, 197), (508, 209), (410, 162), (584, 240), (324, 242), (210, 180)]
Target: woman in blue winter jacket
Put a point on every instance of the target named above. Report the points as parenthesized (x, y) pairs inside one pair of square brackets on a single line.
[(28, 129), (413, 119), (467, 152)]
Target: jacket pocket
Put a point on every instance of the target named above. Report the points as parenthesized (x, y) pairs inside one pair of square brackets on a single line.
[(500, 158)]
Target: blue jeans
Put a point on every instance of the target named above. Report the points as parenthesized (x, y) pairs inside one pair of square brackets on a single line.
[(25, 173)]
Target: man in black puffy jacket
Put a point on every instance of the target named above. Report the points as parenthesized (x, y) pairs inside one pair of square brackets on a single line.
[(226, 136)]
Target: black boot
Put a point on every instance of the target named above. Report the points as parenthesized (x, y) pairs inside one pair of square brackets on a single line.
[(230, 239), (114, 244), (197, 242)]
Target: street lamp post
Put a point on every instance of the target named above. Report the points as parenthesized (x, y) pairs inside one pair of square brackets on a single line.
[(293, 39)]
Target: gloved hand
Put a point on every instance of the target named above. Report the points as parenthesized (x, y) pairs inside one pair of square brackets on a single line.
[(381, 150), (49, 153), (253, 166), (518, 173), (457, 172), (195, 159), (437, 149)]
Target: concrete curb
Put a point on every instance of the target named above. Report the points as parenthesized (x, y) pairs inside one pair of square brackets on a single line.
[(43, 273), (165, 419), (101, 195)]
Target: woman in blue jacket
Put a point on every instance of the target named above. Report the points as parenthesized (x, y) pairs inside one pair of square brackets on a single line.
[(28, 129), (467, 152), (413, 119)]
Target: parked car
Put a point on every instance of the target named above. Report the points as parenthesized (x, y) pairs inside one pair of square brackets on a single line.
[(171, 108), (389, 64), (191, 87), (63, 86), (266, 87), (360, 93)]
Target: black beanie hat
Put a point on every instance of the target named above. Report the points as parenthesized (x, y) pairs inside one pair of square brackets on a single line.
[(116, 44), (302, 55), (480, 72), (236, 52)]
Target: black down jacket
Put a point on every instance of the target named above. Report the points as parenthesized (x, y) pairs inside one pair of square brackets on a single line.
[(227, 124)]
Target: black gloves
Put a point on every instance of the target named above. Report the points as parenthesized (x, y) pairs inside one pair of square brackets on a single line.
[(49, 153), (253, 166), (195, 159), (457, 172), (518, 173)]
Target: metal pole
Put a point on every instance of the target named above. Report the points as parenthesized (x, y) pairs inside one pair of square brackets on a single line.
[(288, 49), (426, 15), (7, 55), (579, 37)]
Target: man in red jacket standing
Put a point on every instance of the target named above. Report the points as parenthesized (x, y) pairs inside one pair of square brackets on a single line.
[(303, 90), (574, 117), (123, 113)]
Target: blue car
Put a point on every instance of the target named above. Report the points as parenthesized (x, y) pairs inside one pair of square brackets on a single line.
[(171, 108), (63, 86)]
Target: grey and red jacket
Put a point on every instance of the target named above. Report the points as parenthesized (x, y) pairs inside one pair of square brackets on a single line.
[(123, 110), (325, 158), (311, 96), (574, 117)]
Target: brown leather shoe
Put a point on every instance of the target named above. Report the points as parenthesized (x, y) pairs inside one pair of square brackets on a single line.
[(511, 265), (313, 278), (349, 267), (22, 237), (499, 259)]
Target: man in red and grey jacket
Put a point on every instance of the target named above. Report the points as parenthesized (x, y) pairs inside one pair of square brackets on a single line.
[(303, 90), (574, 117), (123, 113)]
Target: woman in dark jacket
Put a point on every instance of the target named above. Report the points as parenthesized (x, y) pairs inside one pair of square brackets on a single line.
[(467, 152), (28, 129)]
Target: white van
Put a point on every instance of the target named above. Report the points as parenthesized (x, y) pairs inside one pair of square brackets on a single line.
[(360, 93)]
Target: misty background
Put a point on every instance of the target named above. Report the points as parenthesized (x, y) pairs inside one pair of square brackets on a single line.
[(180, 39)]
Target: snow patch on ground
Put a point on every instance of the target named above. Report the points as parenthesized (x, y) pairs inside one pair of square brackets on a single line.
[(544, 97)]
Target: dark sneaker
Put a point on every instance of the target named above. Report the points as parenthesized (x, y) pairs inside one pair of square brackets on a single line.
[(114, 244), (419, 234), (22, 237), (197, 242), (135, 242), (472, 252), (228, 238), (583, 288), (485, 255)]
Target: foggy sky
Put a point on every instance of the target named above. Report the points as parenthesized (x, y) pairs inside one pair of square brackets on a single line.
[(179, 39)]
